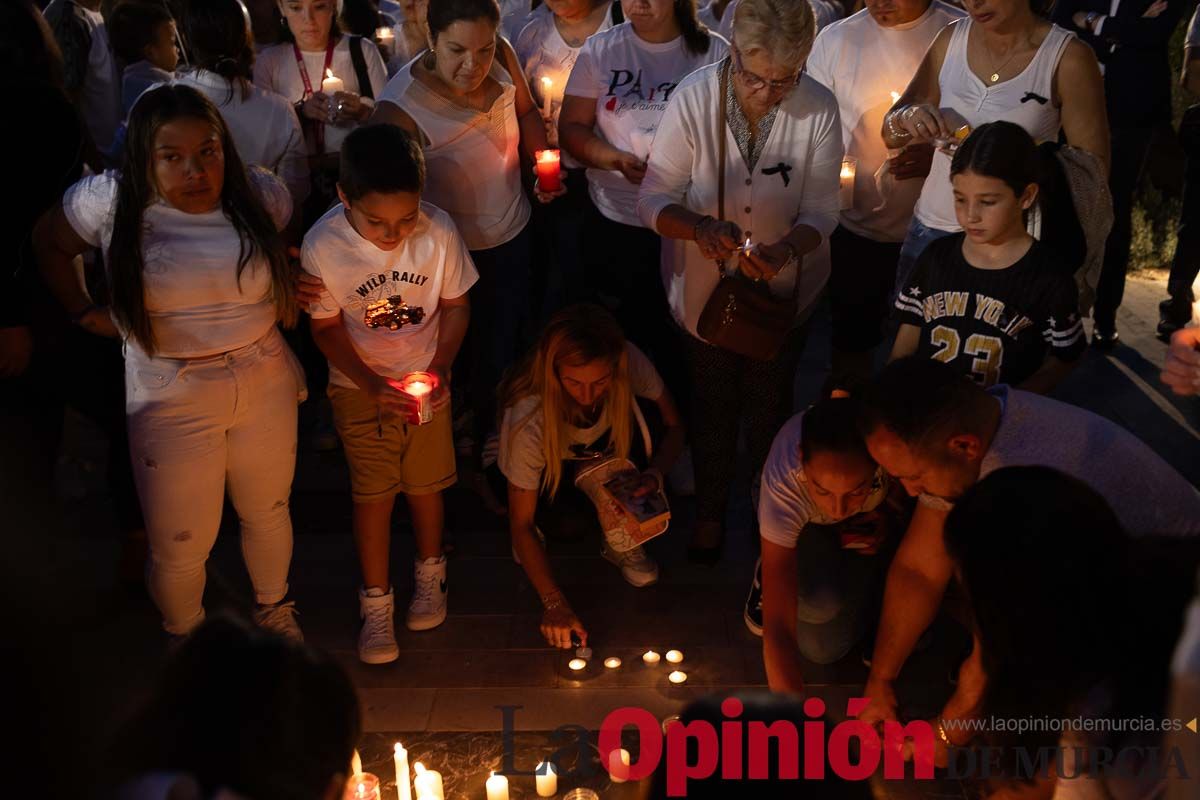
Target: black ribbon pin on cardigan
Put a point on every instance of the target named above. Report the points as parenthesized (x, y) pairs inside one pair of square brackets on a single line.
[(1032, 96), (781, 169)]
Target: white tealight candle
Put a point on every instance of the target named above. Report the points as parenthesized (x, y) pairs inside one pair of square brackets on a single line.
[(618, 765), (612, 663), (546, 780), (576, 664), (677, 677), (674, 656), (403, 782), (497, 787), (650, 657)]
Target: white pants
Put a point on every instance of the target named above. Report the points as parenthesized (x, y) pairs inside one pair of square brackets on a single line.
[(197, 426)]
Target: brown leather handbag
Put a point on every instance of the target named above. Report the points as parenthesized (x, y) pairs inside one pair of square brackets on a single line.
[(742, 315)]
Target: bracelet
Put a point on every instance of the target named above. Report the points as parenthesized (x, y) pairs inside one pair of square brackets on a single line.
[(893, 130), (941, 733), (553, 600)]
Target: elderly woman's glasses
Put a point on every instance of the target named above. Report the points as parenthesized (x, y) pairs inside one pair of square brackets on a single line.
[(758, 82)]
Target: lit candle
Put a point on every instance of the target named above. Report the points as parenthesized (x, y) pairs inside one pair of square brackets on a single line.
[(428, 783), (548, 170), (403, 782), (612, 663), (362, 786), (331, 84), (650, 658), (576, 664), (677, 677), (356, 764), (546, 779), (618, 765), (547, 85), (497, 787), (846, 181), (674, 656), (419, 386)]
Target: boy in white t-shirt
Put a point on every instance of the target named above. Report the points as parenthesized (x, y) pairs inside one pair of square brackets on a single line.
[(396, 275)]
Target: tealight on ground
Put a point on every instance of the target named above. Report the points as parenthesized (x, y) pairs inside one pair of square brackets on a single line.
[(576, 664), (674, 656), (612, 663), (650, 657), (677, 677)]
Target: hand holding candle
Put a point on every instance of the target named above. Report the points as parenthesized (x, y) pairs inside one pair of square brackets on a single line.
[(548, 171)]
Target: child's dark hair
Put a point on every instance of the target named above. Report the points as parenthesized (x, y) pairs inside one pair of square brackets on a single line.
[(445, 13), (380, 158), (132, 26), (831, 426), (1002, 150), (221, 42)]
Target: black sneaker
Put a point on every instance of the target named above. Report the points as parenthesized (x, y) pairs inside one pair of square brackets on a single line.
[(752, 615)]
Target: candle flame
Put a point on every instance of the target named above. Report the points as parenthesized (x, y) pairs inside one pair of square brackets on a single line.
[(546, 82), (895, 97), (399, 748), (329, 74), (419, 768)]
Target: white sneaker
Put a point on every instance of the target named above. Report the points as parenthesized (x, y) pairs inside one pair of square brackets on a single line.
[(637, 568), (428, 607), (541, 537), (279, 619), (377, 639)]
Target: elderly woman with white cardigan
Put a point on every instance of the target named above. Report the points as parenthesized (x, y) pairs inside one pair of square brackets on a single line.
[(783, 152)]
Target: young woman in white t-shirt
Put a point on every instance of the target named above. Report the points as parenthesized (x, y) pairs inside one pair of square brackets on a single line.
[(263, 124), (571, 403), (617, 93), (466, 101), (313, 47), (199, 279)]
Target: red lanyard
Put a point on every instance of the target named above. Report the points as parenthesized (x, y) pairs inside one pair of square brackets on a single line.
[(308, 89)]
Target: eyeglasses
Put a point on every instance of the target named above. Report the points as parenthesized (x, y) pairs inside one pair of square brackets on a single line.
[(757, 82)]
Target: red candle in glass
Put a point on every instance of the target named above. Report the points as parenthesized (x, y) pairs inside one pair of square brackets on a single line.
[(419, 386), (548, 170)]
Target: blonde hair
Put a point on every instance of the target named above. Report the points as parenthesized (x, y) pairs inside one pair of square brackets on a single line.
[(577, 335), (783, 29)]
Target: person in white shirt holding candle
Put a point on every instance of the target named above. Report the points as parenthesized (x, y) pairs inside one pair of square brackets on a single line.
[(314, 67), (263, 124), (384, 250), (199, 280), (468, 104), (779, 181), (617, 94), (866, 60), (548, 46), (1002, 62)]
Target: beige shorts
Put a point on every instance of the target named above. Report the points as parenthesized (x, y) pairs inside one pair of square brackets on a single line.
[(392, 457)]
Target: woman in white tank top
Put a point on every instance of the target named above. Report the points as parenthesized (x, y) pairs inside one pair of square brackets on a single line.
[(466, 101), (1003, 62)]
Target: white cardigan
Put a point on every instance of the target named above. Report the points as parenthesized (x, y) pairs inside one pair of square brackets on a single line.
[(683, 167)]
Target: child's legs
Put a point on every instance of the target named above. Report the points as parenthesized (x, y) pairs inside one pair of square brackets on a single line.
[(428, 519), (373, 538), (426, 468)]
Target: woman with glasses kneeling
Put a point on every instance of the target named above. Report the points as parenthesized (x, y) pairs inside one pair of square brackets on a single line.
[(749, 183)]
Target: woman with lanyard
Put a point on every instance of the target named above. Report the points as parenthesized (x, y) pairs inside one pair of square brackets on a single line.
[(467, 103), (1003, 62), (617, 93), (330, 78), (199, 279), (548, 46), (749, 180)]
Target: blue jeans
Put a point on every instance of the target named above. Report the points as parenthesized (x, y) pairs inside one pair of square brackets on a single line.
[(919, 237), (838, 592)]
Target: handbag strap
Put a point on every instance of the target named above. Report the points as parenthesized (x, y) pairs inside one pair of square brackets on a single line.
[(721, 125)]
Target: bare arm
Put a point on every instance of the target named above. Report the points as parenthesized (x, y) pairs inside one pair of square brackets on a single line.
[(913, 592), (922, 91), (392, 114), (1048, 375), (1080, 90), (672, 442), (453, 318), (577, 133), (58, 248), (558, 620), (908, 338), (529, 116), (781, 651), (334, 343)]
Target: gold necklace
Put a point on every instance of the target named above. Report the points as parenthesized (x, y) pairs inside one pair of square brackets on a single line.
[(995, 76)]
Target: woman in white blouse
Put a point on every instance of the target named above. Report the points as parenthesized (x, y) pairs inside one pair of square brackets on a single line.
[(312, 49), (199, 279), (468, 104), (263, 124), (783, 149)]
